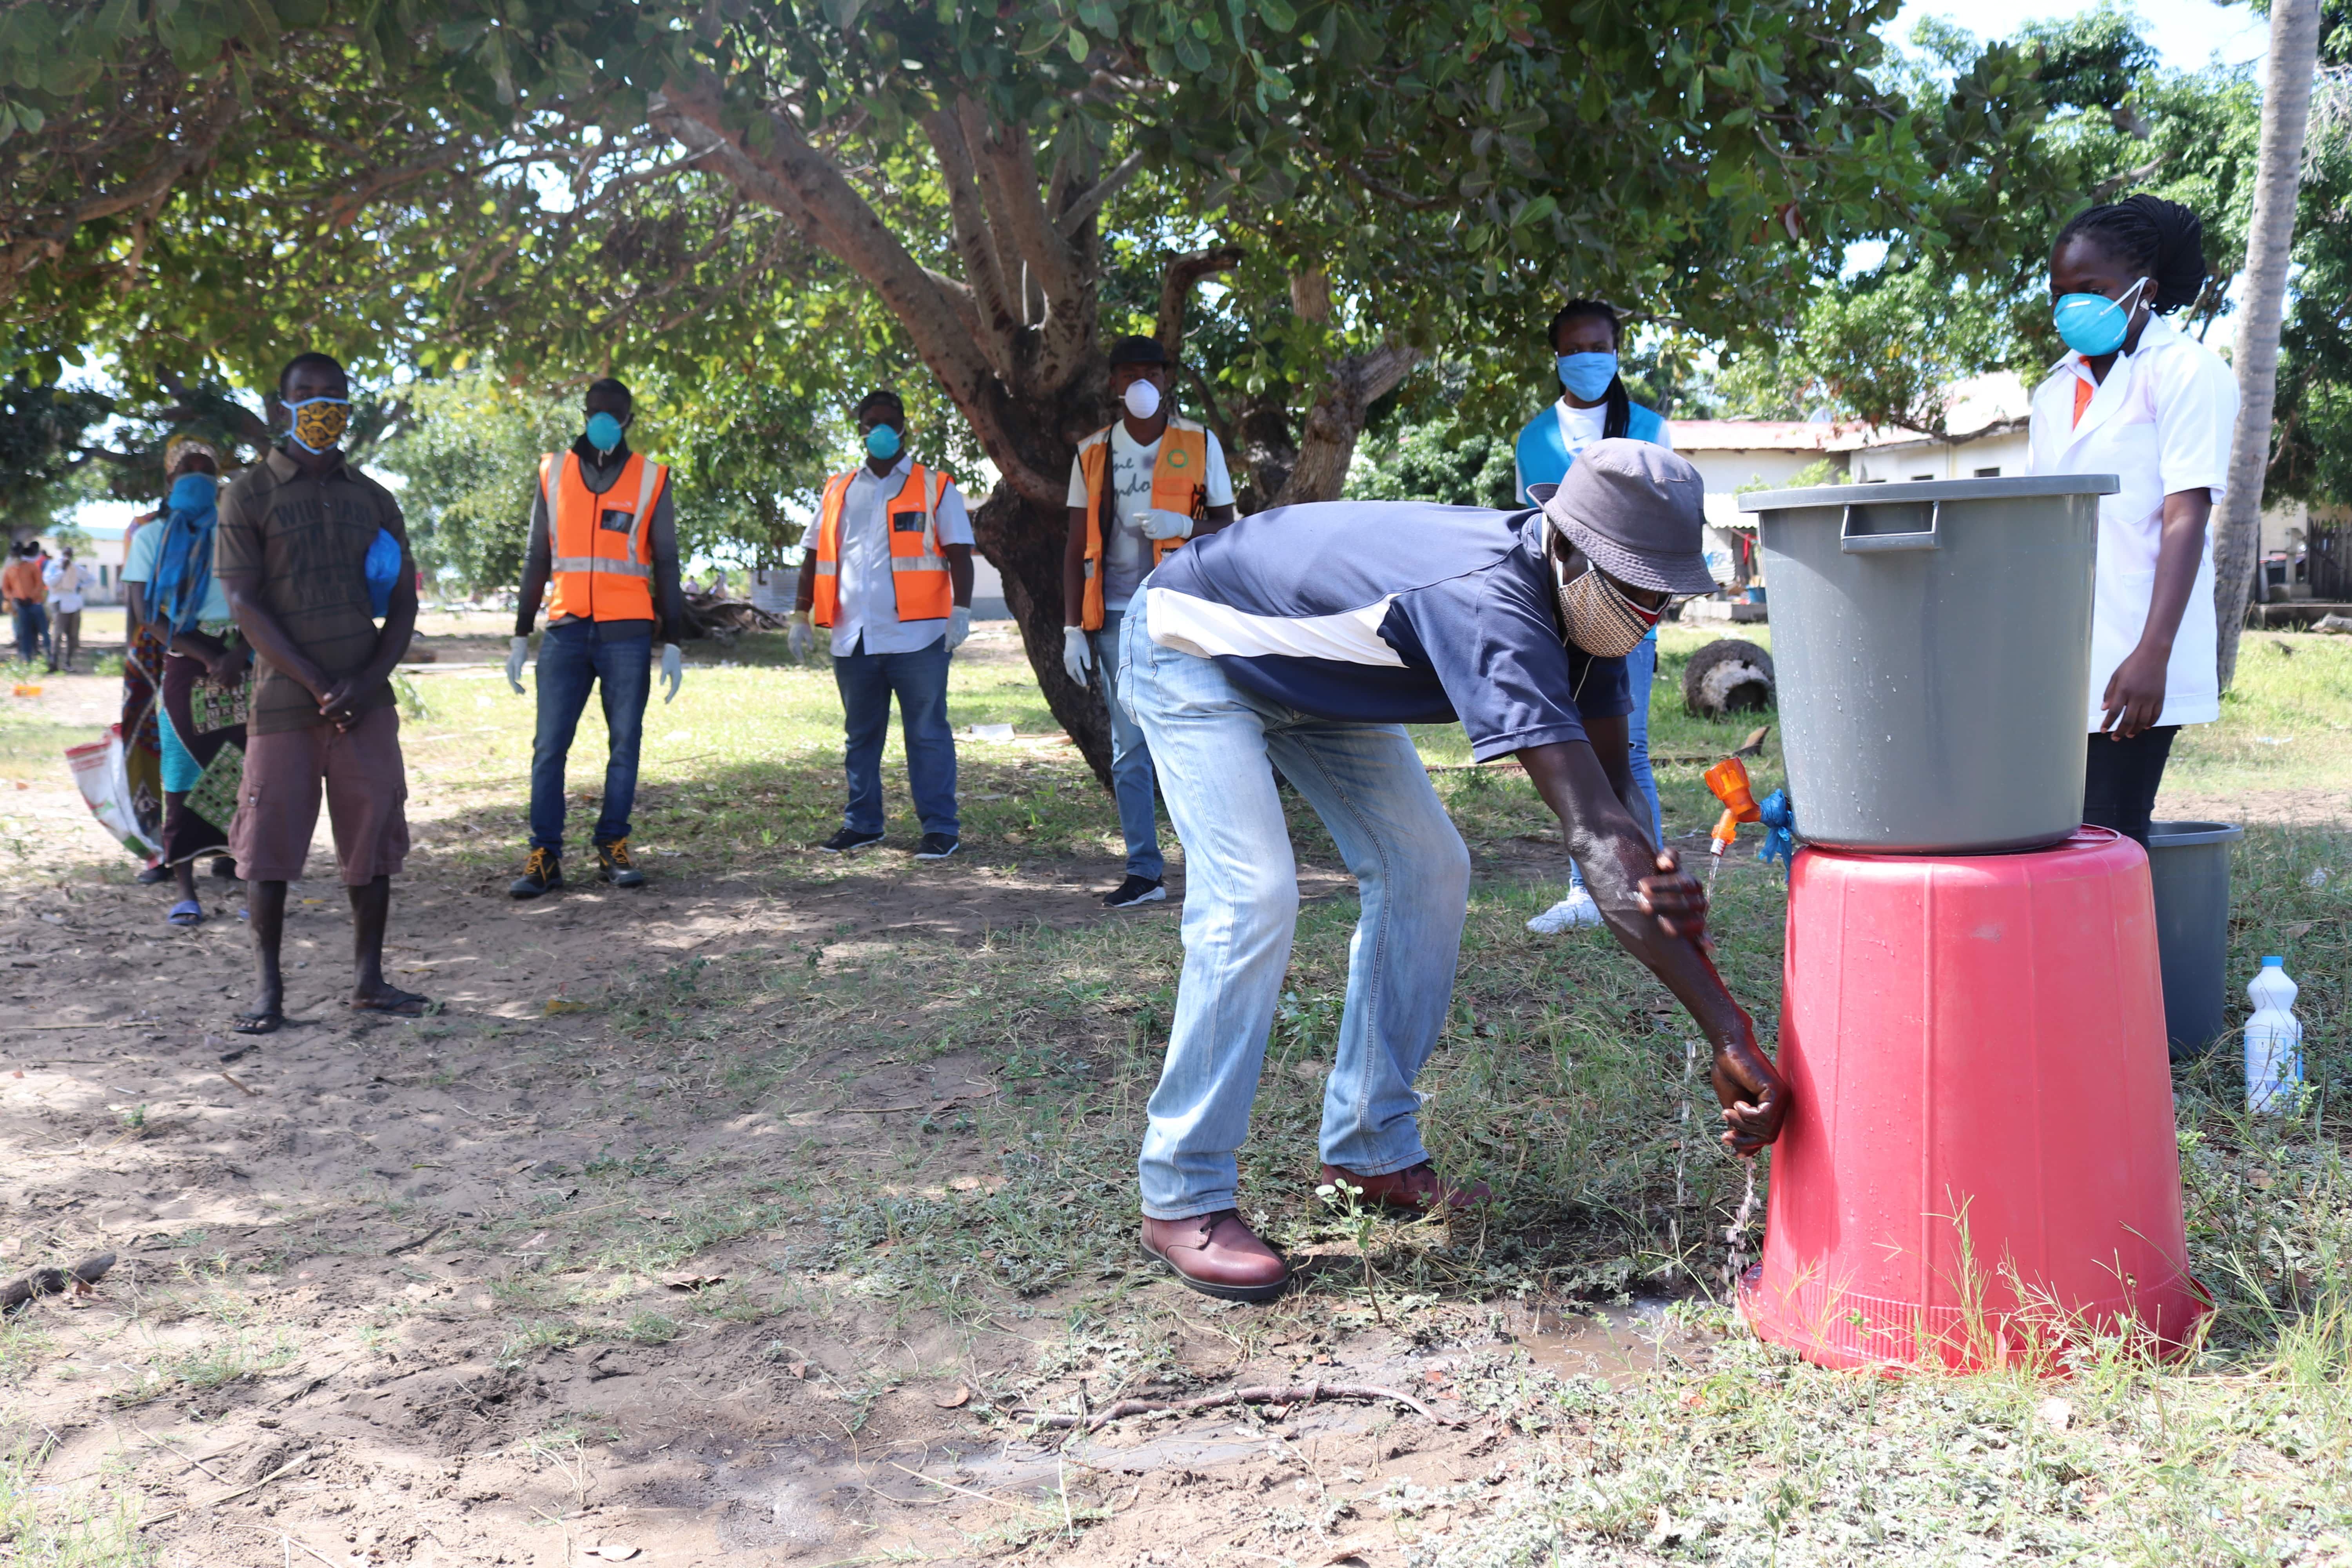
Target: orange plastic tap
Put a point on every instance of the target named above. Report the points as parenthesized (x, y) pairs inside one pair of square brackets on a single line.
[(1728, 780)]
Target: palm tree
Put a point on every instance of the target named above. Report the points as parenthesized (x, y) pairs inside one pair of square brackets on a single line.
[(2269, 234)]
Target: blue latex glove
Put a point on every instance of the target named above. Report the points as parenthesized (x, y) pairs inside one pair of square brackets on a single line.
[(673, 671)]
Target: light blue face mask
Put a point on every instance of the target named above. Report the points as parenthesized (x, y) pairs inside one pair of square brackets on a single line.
[(1587, 376), (2092, 324), (882, 441), (603, 431)]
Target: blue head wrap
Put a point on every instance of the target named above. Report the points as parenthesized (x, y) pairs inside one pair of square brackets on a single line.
[(184, 561)]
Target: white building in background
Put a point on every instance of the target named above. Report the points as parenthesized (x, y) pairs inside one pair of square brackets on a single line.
[(105, 553), (1986, 415)]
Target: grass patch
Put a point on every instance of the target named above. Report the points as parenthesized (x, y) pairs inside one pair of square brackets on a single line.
[(52, 1526)]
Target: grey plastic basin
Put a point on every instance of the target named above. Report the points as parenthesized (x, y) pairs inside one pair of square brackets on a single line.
[(2189, 864), (1932, 643)]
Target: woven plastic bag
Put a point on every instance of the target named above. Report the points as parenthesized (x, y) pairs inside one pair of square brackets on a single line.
[(105, 785)]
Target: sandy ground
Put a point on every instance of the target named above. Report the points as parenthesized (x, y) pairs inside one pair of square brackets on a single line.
[(307, 1349)]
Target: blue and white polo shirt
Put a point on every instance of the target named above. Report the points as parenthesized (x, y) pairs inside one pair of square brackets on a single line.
[(1389, 611)]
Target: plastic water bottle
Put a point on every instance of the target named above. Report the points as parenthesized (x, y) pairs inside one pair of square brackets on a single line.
[(2274, 1041)]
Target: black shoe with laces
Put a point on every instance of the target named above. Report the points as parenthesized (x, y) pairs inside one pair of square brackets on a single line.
[(542, 873), (937, 847), (615, 864), (1136, 890), (848, 838)]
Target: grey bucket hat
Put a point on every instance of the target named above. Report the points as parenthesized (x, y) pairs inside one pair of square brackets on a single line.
[(1637, 510)]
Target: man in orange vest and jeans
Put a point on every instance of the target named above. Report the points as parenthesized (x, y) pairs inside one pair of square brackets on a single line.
[(1140, 487), (603, 548), (890, 575)]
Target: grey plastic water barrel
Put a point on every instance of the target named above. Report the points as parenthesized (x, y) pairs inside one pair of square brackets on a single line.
[(1933, 649), (2189, 864)]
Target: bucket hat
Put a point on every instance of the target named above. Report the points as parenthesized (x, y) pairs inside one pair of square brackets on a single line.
[(1637, 510)]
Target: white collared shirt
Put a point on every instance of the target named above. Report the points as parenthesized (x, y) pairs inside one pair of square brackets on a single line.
[(867, 617), (2161, 423)]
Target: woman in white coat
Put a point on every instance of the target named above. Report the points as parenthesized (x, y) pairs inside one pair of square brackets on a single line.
[(2142, 400)]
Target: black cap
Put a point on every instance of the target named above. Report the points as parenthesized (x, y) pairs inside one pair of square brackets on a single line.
[(1138, 351)]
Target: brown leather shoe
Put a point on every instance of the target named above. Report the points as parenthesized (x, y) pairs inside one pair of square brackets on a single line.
[(1418, 1187), (1218, 1256)]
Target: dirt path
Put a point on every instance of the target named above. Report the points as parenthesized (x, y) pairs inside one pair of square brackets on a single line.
[(353, 1257)]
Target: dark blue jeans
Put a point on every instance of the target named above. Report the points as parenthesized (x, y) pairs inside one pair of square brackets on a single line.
[(572, 657), (920, 680), (32, 632)]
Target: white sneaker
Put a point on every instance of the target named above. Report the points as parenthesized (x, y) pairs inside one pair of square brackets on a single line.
[(1576, 910)]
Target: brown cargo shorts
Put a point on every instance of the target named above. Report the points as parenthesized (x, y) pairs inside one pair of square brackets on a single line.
[(367, 793)]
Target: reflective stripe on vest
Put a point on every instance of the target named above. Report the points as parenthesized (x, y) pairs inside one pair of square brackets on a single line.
[(922, 588), (594, 573), (1179, 482)]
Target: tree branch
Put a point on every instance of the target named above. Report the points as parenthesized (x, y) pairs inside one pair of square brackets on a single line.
[(1074, 217), (1176, 285), (993, 309), (796, 178)]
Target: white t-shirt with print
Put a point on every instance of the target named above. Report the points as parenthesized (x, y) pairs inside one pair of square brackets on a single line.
[(1127, 553)]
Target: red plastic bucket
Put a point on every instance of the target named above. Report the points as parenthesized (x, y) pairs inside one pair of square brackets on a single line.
[(1979, 1164)]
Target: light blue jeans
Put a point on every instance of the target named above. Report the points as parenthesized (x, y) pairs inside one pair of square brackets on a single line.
[(1131, 761), (1215, 747), (1640, 670)]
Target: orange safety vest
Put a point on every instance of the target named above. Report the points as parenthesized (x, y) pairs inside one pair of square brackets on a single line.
[(601, 558), (1179, 482), (919, 573)]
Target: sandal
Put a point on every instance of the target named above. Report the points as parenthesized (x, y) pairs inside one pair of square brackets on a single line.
[(268, 1023), (185, 913), (396, 1003)]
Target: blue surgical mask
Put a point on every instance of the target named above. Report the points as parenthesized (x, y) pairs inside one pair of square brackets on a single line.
[(604, 432), (882, 441), (2092, 324), (1587, 376)]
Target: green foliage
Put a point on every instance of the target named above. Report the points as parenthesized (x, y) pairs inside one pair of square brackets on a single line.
[(43, 435), (1440, 460), (471, 462), (2026, 134)]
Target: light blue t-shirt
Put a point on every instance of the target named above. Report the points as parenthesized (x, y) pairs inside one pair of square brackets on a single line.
[(139, 566)]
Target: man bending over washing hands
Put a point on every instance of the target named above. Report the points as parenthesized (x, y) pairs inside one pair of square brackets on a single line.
[(1307, 638)]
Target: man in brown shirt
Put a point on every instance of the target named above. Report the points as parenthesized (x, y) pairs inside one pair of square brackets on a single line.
[(292, 554)]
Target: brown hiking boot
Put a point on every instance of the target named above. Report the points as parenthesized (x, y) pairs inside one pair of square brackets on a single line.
[(1416, 1187), (1218, 1256)]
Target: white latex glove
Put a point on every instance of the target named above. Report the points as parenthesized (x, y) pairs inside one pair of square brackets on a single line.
[(517, 651), (1161, 523), (800, 640), (959, 626), (673, 671), (1078, 654)]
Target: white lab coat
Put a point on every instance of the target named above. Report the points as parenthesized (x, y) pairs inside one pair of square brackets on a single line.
[(2160, 423)]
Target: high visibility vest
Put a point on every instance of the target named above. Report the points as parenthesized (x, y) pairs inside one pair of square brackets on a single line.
[(601, 556), (1179, 482), (919, 573)]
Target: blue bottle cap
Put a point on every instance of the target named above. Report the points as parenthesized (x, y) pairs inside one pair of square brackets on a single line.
[(2273, 963)]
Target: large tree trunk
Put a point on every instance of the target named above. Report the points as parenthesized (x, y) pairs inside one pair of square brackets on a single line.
[(2270, 237), (1025, 541), (1328, 443)]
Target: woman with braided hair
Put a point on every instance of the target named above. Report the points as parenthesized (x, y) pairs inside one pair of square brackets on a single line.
[(2138, 398), (1593, 406)]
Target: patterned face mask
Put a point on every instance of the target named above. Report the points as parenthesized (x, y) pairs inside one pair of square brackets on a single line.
[(319, 422), (1600, 618)]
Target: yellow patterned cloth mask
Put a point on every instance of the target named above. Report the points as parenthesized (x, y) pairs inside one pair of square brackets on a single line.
[(319, 422)]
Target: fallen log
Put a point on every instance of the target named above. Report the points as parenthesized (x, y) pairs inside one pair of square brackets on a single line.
[(17, 1293)]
